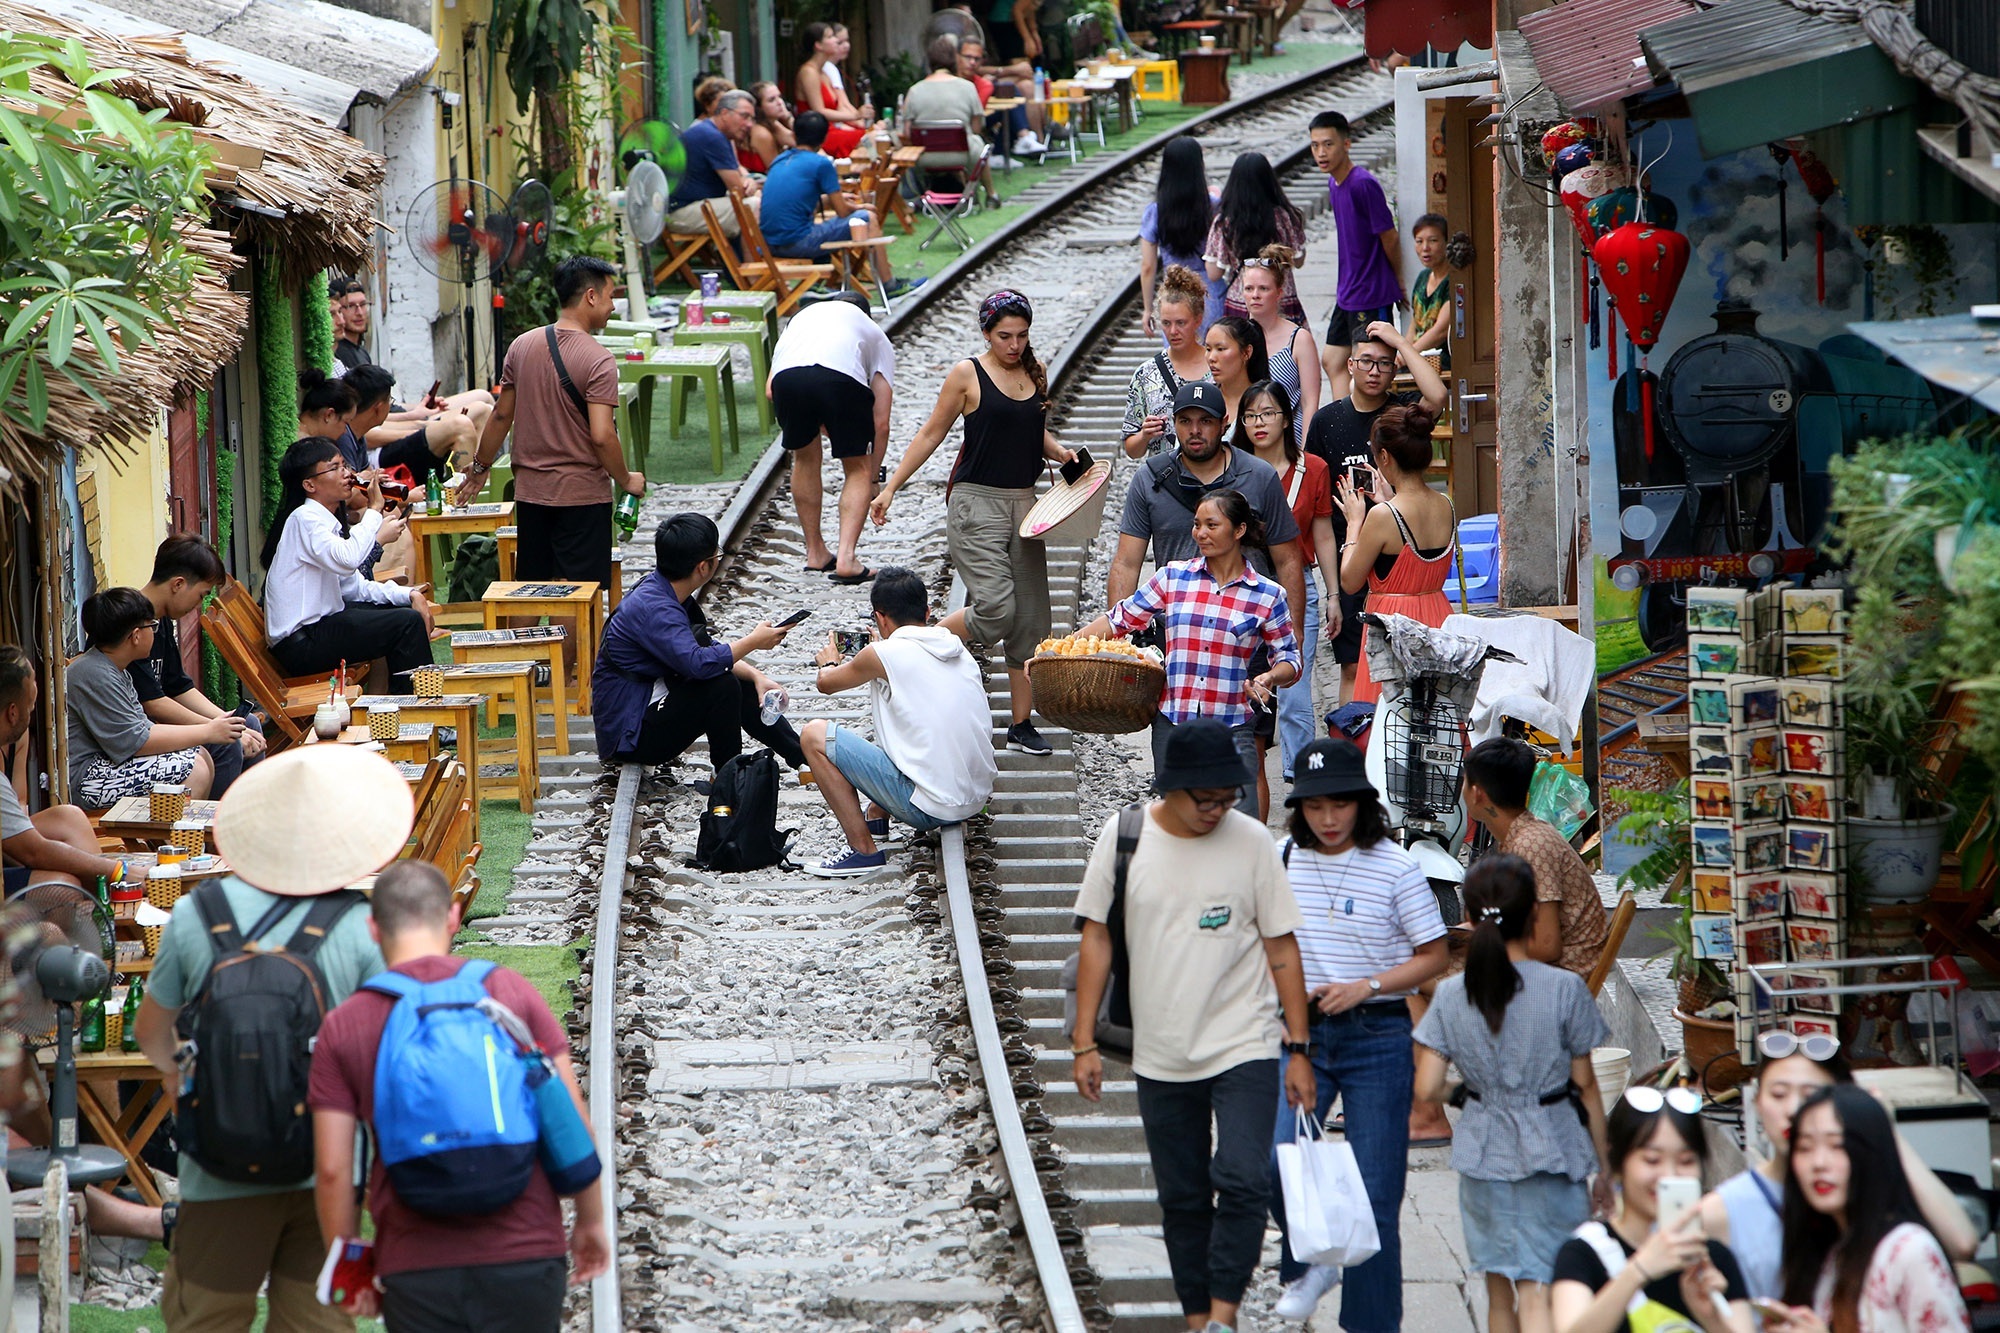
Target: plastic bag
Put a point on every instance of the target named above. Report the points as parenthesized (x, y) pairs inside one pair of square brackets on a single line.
[(1327, 1214), (1559, 797)]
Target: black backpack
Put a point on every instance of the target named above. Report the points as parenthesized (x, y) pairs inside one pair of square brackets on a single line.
[(252, 1024), (739, 830), (1114, 1010)]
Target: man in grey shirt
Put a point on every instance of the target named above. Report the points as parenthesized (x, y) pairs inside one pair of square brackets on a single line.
[(1160, 502), (58, 845)]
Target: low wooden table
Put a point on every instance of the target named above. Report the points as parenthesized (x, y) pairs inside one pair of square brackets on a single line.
[(1174, 37), (415, 743), (509, 540), (125, 1131), (575, 602), (460, 711), (515, 679), (1205, 76), (453, 522), (848, 256), (543, 645), (131, 818)]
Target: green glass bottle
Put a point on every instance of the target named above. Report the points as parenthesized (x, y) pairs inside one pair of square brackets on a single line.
[(128, 1040), (90, 1035), (626, 516), (107, 928), (433, 494)]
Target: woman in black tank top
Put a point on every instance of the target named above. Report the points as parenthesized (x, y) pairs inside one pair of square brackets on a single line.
[(1002, 394)]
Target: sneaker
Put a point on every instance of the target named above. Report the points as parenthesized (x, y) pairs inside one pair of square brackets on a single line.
[(878, 828), (904, 286), (1027, 144), (848, 866), (1022, 736), (1302, 1297), (1212, 1327)]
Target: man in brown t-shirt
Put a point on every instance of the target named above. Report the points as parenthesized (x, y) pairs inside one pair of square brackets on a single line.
[(566, 439), (500, 1272), (1570, 922)]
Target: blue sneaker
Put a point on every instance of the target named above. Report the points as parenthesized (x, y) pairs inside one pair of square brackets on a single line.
[(878, 828), (849, 866)]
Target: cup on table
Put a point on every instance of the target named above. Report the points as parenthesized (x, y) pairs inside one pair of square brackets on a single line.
[(168, 802), (191, 836), (170, 855), (719, 317), (164, 887), (428, 681), (385, 724), (1207, 42), (711, 286), (327, 723)]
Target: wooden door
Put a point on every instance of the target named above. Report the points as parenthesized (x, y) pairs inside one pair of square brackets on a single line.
[(1469, 207), (190, 503)]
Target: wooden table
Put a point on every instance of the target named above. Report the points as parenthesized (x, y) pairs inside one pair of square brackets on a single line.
[(516, 680), (1174, 37), (1120, 77), (1205, 76), (453, 522), (576, 602), (416, 742), (509, 540), (452, 710), (131, 818), (848, 256), (543, 644), (1243, 24), (98, 1074)]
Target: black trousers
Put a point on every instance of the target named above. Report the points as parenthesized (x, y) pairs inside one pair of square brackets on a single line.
[(524, 1297), (358, 635), (721, 708), (229, 760)]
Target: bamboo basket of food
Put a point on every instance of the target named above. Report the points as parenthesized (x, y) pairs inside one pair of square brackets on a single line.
[(1103, 686)]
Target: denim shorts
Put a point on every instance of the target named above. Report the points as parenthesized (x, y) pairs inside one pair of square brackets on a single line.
[(817, 235), (864, 764)]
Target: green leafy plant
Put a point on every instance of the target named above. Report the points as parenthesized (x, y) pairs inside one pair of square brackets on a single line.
[(892, 76), (1660, 820), (92, 195), (277, 377), (547, 45)]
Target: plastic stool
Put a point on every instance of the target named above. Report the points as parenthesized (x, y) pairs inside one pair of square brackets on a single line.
[(1168, 87)]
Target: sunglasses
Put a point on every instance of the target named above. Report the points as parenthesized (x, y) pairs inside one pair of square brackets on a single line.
[(1263, 263), (1649, 1100), (1815, 1046)]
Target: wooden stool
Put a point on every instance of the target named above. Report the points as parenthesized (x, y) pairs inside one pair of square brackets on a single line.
[(578, 602), (1206, 76), (708, 365), (542, 645), (754, 338), (458, 711), (1158, 81), (515, 680)]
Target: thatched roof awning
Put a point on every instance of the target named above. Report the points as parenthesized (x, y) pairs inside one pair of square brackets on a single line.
[(310, 201)]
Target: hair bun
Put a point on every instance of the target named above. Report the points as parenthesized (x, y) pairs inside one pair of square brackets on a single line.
[(1419, 420)]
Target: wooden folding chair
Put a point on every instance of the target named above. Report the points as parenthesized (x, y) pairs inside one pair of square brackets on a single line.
[(789, 279), (235, 624), (465, 889), (682, 249), (1614, 940)]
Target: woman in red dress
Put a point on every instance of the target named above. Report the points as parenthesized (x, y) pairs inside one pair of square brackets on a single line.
[(819, 87), (1400, 532)]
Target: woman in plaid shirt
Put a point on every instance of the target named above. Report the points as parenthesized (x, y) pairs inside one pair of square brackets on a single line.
[(1217, 613)]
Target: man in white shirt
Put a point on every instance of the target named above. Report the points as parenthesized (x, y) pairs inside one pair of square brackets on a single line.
[(833, 373), (318, 610), (932, 761)]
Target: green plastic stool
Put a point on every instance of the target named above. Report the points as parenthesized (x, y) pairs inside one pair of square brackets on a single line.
[(754, 338), (707, 365)]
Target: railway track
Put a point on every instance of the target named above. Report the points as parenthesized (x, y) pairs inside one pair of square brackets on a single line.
[(1652, 686), (839, 1104)]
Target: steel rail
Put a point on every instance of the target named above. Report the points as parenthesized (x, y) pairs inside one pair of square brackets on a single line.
[(757, 490)]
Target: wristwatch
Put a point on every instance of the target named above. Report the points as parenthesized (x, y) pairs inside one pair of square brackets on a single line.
[(1298, 1048), (1374, 985)]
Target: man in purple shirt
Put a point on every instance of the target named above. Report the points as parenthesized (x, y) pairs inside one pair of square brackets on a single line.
[(1369, 251), (661, 679)]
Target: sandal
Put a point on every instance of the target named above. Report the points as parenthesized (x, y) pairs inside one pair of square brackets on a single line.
[(850, 580), (826, 568)]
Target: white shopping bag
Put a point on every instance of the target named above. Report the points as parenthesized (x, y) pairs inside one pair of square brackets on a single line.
[(1327, 1214)]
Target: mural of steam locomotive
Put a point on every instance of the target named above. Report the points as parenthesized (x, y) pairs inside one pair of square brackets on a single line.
[(1734, 485)]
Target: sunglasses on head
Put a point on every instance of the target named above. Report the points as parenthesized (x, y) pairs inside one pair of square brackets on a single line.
[(1649, 1100), (1815, 1046)]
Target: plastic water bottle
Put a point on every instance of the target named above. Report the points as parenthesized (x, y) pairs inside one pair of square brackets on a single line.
[(773, 707)]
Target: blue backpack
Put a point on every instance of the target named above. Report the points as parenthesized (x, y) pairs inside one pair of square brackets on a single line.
[(455, 1115)]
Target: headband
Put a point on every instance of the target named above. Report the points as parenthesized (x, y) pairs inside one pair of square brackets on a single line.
[(1000, 304)]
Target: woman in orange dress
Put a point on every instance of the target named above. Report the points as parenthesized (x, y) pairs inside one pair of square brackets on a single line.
[(1400, 531)]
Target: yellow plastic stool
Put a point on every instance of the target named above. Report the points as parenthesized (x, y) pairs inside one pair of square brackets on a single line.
[(1168, 87)]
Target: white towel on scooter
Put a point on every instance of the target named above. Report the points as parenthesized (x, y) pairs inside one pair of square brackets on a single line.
[(1547, 688)]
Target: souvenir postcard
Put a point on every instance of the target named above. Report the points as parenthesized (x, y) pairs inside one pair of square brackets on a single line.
[(1759, 799), (1758, 897), (1816, 655), (1760, 847), (1810, 847), (1799, 988), (1812, 752), (1711, 798), (1708, 704), (1808, 703), (1753, 700), (1805, 1025), (1757, 752), (1712, 890), (1814, 895), (1811, 942), (1714, 936), (1759, 944), (1812, 799), (1716, 657), (1708, 751), (1764, 611), (1718, 611), (1813, 611), (1714, 846)]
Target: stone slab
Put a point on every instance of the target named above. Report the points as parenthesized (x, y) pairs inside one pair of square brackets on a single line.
[(781, 1064)]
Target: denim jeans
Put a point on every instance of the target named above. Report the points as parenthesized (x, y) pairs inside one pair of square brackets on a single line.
[(1245, 738), (1298, 725), (1214, 1195), (874, 775), (1364, 1058)]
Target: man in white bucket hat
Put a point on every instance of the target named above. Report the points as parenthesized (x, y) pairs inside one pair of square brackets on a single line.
[(297, 830)]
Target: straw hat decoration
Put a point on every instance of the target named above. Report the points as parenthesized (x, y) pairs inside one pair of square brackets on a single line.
[(314, 819)]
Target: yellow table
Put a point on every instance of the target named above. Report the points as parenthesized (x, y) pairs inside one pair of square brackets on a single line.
[(453, 522), (577, 602), (125, 1131), (542, 644), (460, 711), (131, 818), (516, 680), (510, 549)]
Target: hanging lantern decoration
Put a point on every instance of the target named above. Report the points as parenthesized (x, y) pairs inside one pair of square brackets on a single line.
[(1558, 137), (1613, 209), (1573, 158), (1579, 188), (1643, 265), (1821, 185)]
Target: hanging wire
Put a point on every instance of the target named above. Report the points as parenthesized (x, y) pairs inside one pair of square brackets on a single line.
[(1892, 27)]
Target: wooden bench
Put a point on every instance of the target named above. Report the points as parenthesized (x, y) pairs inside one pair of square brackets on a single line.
[(235, 624)]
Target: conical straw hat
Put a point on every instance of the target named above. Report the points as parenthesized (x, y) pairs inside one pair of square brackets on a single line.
[(314, 819), (1082, 500)]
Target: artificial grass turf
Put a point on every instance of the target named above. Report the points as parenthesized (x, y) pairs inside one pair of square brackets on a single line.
[(97, 1319)]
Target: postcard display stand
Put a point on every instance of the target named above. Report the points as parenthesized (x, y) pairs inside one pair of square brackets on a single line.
[(1764, 745)]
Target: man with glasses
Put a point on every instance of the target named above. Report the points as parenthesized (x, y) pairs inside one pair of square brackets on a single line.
[(1208, 920), (1339, 434), (712, 170)]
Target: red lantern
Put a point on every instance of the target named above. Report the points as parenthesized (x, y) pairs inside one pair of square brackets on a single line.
[(1642, 266)]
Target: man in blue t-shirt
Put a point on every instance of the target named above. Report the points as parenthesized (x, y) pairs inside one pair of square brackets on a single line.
[(1369, 250), (798, 185), (712, 169)]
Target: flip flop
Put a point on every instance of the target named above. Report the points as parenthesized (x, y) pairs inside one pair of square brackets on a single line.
[(1432, 1141), (849, 580), (826, 568)]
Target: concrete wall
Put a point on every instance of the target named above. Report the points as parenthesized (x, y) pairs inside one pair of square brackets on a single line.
[(403, 298), (1533, 535), (135, 490)]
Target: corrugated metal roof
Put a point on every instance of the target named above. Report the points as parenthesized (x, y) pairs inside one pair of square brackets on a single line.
[(1957, 353), (1588, 50), (1742, 39)]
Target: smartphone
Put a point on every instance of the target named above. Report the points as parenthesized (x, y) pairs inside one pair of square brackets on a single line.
[(1357, 476), (1072, 470), (1674, 1195), (850, 641), (1776, 1312), (793, 619)]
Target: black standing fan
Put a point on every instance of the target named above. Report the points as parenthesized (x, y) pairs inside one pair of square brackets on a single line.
[(461, 231), (58, 964)]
